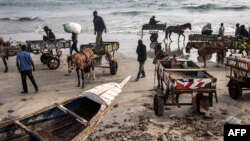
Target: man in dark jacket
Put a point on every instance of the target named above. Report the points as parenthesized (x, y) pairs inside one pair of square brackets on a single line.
[(74, 44), (243, 32), (99, 27), (152, 21), (50, 35), (142, 57)]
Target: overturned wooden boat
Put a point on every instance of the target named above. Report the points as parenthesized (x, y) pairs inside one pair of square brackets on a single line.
[(71, 120)]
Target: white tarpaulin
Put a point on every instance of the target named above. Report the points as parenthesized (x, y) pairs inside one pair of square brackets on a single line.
[(72, 28)]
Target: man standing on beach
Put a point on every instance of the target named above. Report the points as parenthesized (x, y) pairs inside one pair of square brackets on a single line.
[(142, 57), (221, 30), (237, 30), (25, 64), (99, 27)]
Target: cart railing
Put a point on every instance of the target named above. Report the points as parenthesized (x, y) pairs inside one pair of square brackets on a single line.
[(238, 63), (102, 49), (153, 28), (35, 46)]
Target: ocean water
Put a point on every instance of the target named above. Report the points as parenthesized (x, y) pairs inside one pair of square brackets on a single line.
[(121, 16)]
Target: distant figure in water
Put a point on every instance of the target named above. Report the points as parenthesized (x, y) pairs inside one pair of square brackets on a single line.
[(243, 32), (237, 30), (50, 36), (221, 30), (152, 21), (207, 29)]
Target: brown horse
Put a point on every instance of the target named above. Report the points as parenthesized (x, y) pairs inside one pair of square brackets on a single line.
[(179, 29), (8, 49), (206, 48), (83, 61)]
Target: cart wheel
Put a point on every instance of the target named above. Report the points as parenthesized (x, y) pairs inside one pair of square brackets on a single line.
[(235, 90), (53, 63), (202, 103), (45, 57), (113, 67), (158, 105)]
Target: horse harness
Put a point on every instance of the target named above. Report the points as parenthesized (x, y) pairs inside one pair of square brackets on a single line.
[(88, 57)]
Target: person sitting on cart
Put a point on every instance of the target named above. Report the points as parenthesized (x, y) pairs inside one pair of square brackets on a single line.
[(50, 36), (243, 32), (152, 21), (207, 29), (174, 62), (74, 44)]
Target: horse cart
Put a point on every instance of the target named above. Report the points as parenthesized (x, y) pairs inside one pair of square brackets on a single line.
[(106, 49), (239, 76), (153, 29), (204, 38), (51, 51), (184, 78)]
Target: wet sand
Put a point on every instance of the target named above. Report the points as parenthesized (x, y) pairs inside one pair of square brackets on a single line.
[(132, 118)]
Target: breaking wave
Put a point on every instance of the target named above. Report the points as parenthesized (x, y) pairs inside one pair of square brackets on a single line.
[(21, 19), (214, 6), (129, 13)]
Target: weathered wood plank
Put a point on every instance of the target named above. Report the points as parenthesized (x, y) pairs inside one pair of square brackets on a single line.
[(78, 118), (32, 134)]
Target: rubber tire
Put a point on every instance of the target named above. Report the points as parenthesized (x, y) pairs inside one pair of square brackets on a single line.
[(45, 57), (234, 90), (53, 63), (158, 105), (113, 67)]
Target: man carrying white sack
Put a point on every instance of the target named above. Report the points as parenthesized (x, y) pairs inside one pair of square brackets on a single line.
[(99, 27), (74, 44)]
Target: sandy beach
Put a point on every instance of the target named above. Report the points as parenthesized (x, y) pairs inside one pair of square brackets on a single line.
[(132, 117)]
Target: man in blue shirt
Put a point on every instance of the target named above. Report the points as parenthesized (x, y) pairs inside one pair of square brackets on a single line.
[(25, 64)]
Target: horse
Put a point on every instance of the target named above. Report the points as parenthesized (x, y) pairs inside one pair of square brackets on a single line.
[(7, 50), (179, 29), (82, 61), (205, 48)]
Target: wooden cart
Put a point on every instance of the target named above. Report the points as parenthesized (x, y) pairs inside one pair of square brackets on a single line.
[(153, 28), (47, 49), (203, 38), (185, 78), (239, 76), (231, 42), (106, 49)]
